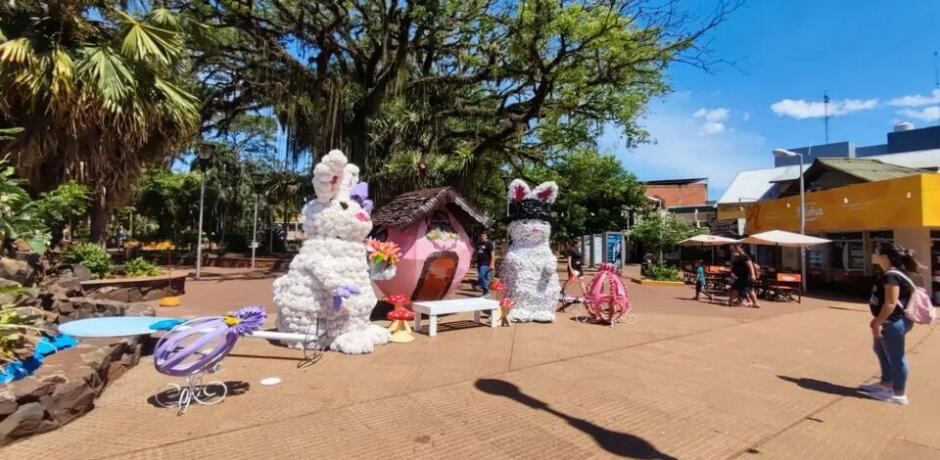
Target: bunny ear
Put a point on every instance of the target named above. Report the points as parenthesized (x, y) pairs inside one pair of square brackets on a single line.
[(328, 176), (546, 192), (349, 180), (518, 190)]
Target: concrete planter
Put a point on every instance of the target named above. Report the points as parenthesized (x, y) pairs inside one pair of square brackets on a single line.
[(136, 289), (649, 282)]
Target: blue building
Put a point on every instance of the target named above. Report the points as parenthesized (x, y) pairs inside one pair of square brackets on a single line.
[(903, 139)]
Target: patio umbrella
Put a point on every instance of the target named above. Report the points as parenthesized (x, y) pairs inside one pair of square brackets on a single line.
[(784, 239), (708, 240)]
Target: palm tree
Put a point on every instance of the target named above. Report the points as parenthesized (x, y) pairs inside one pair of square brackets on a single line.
[(99, 93)]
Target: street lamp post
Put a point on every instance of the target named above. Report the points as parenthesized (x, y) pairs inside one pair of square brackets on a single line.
[(257, 179), (204, 153), (784, 153)]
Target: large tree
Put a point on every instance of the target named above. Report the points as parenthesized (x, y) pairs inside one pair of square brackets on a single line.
[(595, 193), (399, 85), (100, 93)]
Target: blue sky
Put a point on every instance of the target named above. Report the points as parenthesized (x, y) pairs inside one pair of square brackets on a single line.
[(875, 59)]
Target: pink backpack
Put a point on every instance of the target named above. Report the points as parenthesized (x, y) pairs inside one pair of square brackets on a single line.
[(918, 308)]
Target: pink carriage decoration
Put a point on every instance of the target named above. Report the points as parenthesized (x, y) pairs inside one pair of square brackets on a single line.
[(615, 297)]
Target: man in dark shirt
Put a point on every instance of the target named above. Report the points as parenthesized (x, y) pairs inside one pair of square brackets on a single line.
[(484, 255)]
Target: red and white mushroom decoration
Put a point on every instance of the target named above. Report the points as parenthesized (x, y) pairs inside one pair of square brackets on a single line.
[(399, 316)]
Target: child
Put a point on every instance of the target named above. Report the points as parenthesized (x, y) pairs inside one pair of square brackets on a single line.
[(699, 277)]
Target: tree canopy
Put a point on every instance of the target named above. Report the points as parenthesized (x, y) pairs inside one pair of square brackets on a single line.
[(442, 92), (99, 93), (468, 93)]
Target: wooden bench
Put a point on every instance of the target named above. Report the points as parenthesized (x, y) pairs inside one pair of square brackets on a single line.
[(784, 286), (433, 308)]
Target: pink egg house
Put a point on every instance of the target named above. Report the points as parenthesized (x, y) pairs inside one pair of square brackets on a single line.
[(432, 228)]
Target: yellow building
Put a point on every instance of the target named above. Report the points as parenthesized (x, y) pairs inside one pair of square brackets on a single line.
[(855, 203)]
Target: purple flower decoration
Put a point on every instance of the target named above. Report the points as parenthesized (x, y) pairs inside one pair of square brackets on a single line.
[(199, 344), (250, 319), (360, 193)]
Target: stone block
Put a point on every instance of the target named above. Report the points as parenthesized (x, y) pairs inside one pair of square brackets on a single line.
[(26, 421)]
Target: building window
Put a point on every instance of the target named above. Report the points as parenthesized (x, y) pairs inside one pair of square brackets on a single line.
[(847, 251), (440, 221)]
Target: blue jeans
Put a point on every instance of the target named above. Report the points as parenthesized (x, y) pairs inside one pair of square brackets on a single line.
[(483, 274), (890, 352)]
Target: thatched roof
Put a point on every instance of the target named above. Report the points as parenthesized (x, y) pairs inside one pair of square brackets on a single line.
[(411, 207)]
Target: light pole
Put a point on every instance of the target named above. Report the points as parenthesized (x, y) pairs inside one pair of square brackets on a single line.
[(257, 180), (204, 153), (784, 153)]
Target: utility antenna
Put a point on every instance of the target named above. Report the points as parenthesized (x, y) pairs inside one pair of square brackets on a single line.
[(826, 113), (936, 72)]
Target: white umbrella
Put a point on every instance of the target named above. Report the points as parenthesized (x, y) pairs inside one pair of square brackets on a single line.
[(707, 240), (784, 239)]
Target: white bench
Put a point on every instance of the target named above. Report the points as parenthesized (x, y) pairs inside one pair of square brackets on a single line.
[(433, 308)]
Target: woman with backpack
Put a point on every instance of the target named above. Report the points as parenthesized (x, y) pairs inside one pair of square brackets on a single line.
[(890, 295)]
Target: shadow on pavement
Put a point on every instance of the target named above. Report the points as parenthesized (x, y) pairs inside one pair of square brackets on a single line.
[(615, 442), (824, 387), (170, 397)]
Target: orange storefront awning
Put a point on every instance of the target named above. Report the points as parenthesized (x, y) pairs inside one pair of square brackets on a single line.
[(905, 202)]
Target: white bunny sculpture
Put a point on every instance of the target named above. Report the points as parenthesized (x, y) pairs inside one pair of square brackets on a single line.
[(530, 268), (327, 292)]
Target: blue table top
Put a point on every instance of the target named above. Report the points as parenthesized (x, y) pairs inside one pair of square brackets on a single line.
[(117, 326)]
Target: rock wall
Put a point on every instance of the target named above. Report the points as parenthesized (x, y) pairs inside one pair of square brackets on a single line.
[(69, 381), (65, 387)]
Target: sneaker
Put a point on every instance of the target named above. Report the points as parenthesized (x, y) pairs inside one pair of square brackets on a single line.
[(486, 295), (888, 397), (873, 387)]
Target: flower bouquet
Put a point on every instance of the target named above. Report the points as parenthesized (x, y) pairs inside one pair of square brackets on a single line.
[(383, 257), (499, 289), (505, 304)]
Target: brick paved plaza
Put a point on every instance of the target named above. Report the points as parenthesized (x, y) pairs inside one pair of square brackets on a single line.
[(688, 380)]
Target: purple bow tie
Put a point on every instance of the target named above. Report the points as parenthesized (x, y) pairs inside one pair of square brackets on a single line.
[(360, 193)]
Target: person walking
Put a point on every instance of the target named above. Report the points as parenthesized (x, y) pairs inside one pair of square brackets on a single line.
[(742, 290), (575, 260), (484, 253), (891, 292), (699, 277)]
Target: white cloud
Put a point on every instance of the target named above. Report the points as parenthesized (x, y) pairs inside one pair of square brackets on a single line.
[(679, 153), (931, 113), (916, 100), (801, 109), (714, 120), (711, 128)]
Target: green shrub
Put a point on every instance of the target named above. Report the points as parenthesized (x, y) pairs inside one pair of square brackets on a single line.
[(663, 272), (141, 267), (95, 258), (19, 332)]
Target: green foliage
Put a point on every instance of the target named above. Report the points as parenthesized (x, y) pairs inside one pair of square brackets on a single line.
[(662, 233), (99, 92), (169, 199), (94, 257), (455, 92), (595, 193), (141, 267), (20, 329), (19, 217), (663, 272), (6, 134), (69, 200)]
